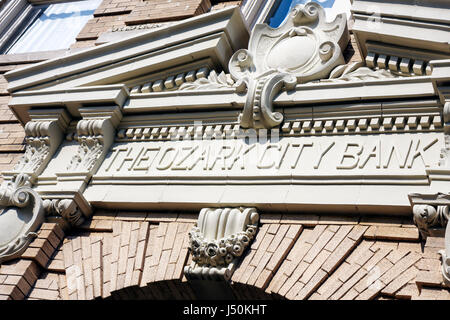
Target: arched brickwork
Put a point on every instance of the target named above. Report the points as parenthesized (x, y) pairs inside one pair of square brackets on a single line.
[(142, 256)]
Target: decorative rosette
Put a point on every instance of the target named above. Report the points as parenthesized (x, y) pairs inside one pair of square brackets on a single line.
[(220, 252)]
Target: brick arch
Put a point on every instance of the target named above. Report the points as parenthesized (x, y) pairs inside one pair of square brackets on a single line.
[(138, 255)]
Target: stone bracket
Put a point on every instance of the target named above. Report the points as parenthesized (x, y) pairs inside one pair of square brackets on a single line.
[(95, 134), (431, 215), (73, 208), (218, 241)]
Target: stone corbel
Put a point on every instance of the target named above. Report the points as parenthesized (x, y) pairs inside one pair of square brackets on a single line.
[(218, 241), (304, 48), (44, 134), (68, 210), (95, 134), (431, 215)]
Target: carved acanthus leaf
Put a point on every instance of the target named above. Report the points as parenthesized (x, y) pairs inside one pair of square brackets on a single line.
[(213, 81), (37, 146), (357, 71), (91, 140), (218, 240)]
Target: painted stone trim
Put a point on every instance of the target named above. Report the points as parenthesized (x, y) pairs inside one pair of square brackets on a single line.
[(21, 216), (265, 75), (219, 240)]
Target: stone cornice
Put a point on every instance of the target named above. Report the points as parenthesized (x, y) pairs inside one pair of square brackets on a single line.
[(420, 26), (72, 98), (228, 22)]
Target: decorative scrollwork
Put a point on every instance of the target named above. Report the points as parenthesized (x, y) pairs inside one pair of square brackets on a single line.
[(65, 208), (427, 216), (219, 252), (431, 213), (303, 49), (213, 81), (91, 139), (21, 215), (357, 71), (219, 239)]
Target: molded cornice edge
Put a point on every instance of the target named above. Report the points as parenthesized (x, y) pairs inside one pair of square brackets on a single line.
[(73, 99), (228, 21)]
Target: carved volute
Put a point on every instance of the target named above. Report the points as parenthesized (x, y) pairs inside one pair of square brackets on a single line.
[(304, 48)]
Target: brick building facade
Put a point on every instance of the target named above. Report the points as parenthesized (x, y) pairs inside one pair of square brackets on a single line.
[(119, 251)]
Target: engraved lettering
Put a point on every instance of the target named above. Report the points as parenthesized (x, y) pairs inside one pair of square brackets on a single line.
[(115, 151), (144, 157), (178, 166), (375, 153), (240, 156), (283, 155), (395, 150), (204, 157), (222, 156), (420, 153), (269, 165), (322, 153), (301, 146), (126, 159), (350, 155), (166, 166)]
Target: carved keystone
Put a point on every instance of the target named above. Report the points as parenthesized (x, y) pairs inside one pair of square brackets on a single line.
[(304, 48), (218, 240)]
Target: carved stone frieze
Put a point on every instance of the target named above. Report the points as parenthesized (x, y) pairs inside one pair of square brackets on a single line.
[(90, 138), (197, 79), (303, 49), (21, 214), (218, 240), (213, 81)]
